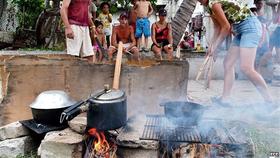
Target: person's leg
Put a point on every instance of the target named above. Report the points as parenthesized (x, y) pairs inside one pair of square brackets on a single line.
[(100, 56), (157, 51), (229, 73), (247, 58), (73, 46), (147, 32), (108, 41), (138, 33), (169, 52), (111, 51), (135, 52), (87, 51)]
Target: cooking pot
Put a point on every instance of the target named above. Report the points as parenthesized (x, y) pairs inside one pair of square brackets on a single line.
[(106, 110), (49, 105), (183, 112)]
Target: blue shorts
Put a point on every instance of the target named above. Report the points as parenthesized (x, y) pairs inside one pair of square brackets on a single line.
[(142, 27), (274, 40), (247, 33)]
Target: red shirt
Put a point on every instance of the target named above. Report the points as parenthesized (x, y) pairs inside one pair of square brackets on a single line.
[(78, 12)]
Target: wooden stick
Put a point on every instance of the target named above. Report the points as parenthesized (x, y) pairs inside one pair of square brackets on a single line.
[(209, 73), (202, 67), (117, 73)]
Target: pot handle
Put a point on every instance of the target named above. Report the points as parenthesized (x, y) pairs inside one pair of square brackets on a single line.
[(74, 110)]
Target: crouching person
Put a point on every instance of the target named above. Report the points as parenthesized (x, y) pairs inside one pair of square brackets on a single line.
[(124, 33), (77, 30)]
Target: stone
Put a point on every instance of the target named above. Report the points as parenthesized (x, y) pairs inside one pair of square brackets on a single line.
[(6, 37), (13, 130), (12, 148), (62, 144), (130, 136), (78, 124), (136, 153)]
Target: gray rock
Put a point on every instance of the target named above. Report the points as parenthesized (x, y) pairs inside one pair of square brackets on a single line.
[(6, 37), (13, 130), (11, 148), (137, 153), (62, 144), (78, 124)]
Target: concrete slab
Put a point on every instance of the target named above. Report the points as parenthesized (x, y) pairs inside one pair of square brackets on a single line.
[(24, 77)]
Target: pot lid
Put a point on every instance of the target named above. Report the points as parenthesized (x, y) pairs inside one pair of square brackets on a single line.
[(110, 95), (52, 99)]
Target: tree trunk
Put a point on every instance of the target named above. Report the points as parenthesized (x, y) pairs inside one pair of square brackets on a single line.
[(181, 19)]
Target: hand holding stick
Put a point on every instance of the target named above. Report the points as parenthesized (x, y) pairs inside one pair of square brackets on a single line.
[(202, 67)]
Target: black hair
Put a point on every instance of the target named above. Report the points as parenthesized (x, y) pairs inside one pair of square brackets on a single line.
[(103, 4), (98, 23)]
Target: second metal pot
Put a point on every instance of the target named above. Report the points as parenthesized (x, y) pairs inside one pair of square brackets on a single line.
[(107, 111), (183, 112)]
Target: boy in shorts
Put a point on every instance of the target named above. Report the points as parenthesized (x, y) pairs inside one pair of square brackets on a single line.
[(143, 10)]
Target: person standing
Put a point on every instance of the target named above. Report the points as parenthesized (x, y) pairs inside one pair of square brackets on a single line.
[(132, 15), (247, 31), (274, 38), (143, 10), (76, 19), (106, 18)]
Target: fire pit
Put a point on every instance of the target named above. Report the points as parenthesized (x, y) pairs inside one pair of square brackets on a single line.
[(162, 138), (100, 144)]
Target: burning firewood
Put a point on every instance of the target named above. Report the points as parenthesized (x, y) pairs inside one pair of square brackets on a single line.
[(197, 150), (98, 146)]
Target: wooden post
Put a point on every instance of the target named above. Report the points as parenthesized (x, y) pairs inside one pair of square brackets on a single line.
[(117, 72)]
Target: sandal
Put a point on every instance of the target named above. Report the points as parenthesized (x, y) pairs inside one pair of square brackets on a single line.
[(219, 101)]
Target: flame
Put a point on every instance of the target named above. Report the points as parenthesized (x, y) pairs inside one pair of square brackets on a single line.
[(100, 145)]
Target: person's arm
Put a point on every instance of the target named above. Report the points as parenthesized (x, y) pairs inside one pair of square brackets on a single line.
[(64, 16), (135, 6), (91, 24), (110, 17), (221, 26), (114, 37), (132, 37), (104, 42), (170, 38), (150, 9), (153, 36)]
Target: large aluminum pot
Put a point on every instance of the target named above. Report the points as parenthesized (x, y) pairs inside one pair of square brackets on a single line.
[(49, 105)]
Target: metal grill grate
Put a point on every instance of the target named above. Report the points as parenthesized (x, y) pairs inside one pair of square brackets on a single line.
[(158, 127)]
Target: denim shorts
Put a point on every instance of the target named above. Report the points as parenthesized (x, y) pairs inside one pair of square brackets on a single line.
[(274, 40), (142, 27), (247, 33)]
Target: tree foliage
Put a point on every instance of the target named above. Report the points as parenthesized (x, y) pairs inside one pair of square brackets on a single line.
[(28, 12)]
